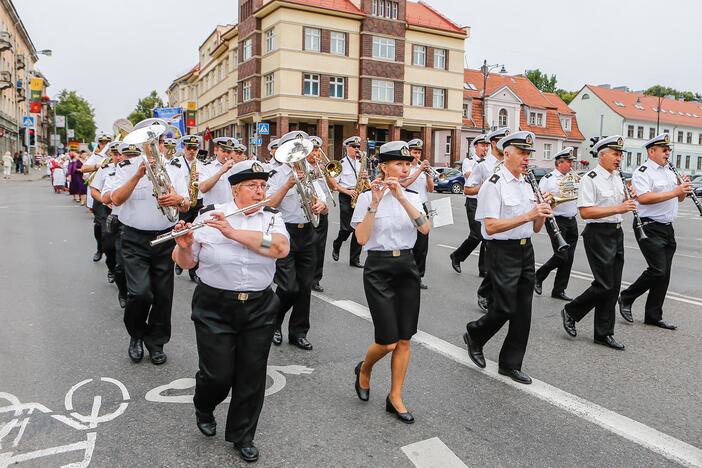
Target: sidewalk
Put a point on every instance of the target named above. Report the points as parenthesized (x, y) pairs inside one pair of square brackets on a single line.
[(34, 174)]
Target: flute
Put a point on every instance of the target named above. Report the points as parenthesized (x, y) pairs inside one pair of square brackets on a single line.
[(557, 236), (680, 181), (637, 219)]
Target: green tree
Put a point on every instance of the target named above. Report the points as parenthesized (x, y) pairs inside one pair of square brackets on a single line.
[(80, 115), (567, 96), (662, 91), (144, 108), (542, 81)]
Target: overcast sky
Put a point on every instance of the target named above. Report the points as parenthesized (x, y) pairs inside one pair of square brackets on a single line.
[(113, 53)]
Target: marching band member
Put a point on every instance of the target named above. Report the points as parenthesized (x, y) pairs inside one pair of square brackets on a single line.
[(240, 153), (233, 307), (346, 185), (321, 230), (387, 219), (92, 164), (272, 148), (480, 145), (294, 272), (420, 182), (149, 270), (509, 218), (565, 216), (213, 186), (659, 195), (601, 203)]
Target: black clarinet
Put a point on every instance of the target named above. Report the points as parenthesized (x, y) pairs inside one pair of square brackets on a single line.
[(638, 225), (680, 180), (557, 236)]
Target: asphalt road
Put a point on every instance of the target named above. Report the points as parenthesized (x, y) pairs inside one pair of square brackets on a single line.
[(68, 392)]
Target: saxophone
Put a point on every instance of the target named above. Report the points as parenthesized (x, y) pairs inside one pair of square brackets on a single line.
[(194, 189), (362, 182)]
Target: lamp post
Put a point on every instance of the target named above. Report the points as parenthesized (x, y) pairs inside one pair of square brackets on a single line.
[(485, 70)]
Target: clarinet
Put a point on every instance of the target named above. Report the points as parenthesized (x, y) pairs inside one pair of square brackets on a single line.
[(557, 236), (638, 225), (680, 181)]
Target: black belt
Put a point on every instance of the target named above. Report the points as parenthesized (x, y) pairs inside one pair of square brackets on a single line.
[(297, 225), (521, 242), (604, 226), (646, 221), (388, 253), (148, 233), (241, 296), (569, 218)]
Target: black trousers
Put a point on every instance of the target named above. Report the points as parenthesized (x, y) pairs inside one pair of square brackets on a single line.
[(99, 215), (233, 341), (511, 269), (345, 229), (321, 245), (120, 275), (604, 247), (658, 250), (189, 217), (149, 272), (475, 237), (110, 239), (293, 276), (560, 261), (421, 249)]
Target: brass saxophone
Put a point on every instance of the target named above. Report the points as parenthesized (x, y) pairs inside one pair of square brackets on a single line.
[(362, 183), (194, 189)]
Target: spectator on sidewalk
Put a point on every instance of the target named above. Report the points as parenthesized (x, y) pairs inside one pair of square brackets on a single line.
[(76, 186), (7, 163), (25, 163)]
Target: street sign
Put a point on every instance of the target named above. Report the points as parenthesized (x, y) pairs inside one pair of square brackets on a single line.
[(371, 145), (60, 121), (256, 141), (264, 129), (70, 133), (27, 121)]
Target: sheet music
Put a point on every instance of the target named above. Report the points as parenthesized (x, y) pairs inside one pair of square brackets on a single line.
[(440, 212)]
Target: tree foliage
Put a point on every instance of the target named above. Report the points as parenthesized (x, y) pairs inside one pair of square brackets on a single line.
[(662, 91), (545, 83), (144, 107), (80, 115), (567, 96)]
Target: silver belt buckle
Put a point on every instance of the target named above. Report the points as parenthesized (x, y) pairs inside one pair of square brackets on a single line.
[(243, 297), (619, 225), (395, 253), (300, 226)]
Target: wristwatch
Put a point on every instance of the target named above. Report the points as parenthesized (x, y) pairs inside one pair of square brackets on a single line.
[(372, 210)]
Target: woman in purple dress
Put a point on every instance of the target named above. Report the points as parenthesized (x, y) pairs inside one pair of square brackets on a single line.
[(76, 187)]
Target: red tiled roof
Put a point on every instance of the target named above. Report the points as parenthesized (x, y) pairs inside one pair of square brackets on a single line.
[(672, 112), (519, 84), (421, 14), (563, 109), (339, 5)]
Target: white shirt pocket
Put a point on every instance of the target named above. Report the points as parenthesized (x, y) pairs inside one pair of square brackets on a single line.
[(512, 206), (140, 193)]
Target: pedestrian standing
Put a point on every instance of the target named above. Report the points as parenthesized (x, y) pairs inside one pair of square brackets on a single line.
[(7, 163), (76, 186)]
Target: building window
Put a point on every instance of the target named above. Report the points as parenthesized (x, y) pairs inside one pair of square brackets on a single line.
[(418, 96), (699, 140), (687, 162), (565, 123), (628, 159), (270, 84), (440, 59), (383, 48), (449, 141), (640, 133), (502, 118), (336, 87), (467, 108), (246, 91), (310, 84), (689, 138), (438, 98), (699, 164), (419, 56), (536, 118), (338, 43), (385, 8), (638, 159), (248, 49), (630, 131), (680, 136), (382, 91), (666, 130), (678, 159), (313, 39), (270, 40), (547, 151), (651, 133)]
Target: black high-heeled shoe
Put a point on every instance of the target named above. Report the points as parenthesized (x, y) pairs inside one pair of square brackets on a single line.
[(406, 418), (363, 393)]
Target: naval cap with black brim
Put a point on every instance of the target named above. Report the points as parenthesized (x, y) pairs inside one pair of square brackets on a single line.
[(565, 153), (522, 140), (497, 134), (395, 151), (247, 170), (615, 142), (659, 140)]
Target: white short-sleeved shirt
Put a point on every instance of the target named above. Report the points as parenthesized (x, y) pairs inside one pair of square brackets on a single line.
[(651, 177), (93, 159), (140, 210), (419, 185), (504, 196), (221, 192), (290, 207), (600, 187), (467, 165), (349, 173), (99, 180), (227, 264), (482, 171), (392, 228), (550, 183), (108, 186)]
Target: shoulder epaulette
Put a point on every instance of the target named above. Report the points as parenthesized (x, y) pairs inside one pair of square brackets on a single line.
[(366, 190), (410, 191), (111, 174), (643, 168), (176, 163), (479, 161), (272, 172), (494, 178), (592, 174), (207, 162), (126, 162), (548, 175), (270, 210), (207, 208)]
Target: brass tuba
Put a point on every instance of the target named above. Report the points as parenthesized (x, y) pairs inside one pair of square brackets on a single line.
[(567, 189), (294, 153), (122, 128)]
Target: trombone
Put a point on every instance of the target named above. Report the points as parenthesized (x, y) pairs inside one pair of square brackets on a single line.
[(328, 168)]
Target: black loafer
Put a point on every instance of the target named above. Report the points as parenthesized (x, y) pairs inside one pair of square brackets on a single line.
[(516, 375), (110, 277), (625, 310), (335, 255), (562, 296), (661, 324), (363, 393), (277, 338), (158, 357), (356, 264), (248, 453), (136, 349), (317, 287), (122, 301), (475, 352), (178, 270), (206, 423), (482, 274), (423, 286), (568, 323), (455, 264), (406, 418), (610, 342), (538, 288), (97, 257), (483, 303), (301, 342)]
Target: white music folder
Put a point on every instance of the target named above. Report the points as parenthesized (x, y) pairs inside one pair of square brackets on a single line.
[(440, 212)]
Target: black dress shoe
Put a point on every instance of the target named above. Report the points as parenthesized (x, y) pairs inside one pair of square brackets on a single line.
[(423, 286), (661, 324), (317, 287), (122, 301), (301, 342), (455, 264), (482, 274), (516, 375), (206, 423), (483, 303), (158, 357), (356, 264), (363, 393), (568, 323), (406, 418), (97, 257), (178, 270), (110, 277), (249, 453), (475, 352), (538, 288), (610, 342), (277, 338), (625, 310), (335, 255), (561, 295), (136, 349)]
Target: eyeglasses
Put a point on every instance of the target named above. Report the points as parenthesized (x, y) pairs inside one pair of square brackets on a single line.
[(263, 187)]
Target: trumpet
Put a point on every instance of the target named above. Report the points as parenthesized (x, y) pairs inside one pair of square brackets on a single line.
[(327, 168), (692, 195), (557, 236), (434, 173)]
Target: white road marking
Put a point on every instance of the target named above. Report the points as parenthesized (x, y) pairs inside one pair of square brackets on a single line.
[(432, 453), (588, 277), (652, 439), (87, 446)]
